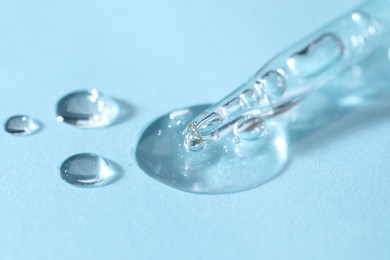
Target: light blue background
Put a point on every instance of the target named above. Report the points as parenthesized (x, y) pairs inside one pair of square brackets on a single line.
[(331, 203)]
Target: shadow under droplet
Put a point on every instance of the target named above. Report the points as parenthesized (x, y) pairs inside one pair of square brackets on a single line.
[(118, 173), (126, 111), (41, 126)]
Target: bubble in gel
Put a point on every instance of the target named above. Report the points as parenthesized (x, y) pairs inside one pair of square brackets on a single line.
[(87, 109), (318, 56), (22, 125), (86, 169)]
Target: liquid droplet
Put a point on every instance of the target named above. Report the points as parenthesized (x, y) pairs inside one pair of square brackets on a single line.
[(22, 125), (219, 167), (87, 109), (86, 169)]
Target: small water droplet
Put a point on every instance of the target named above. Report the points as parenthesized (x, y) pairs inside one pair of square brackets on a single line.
[(87, 109), (22, 125), (86, 169), (251, 128)]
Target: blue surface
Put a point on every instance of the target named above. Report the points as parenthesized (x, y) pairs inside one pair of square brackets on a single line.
[(331, 203)]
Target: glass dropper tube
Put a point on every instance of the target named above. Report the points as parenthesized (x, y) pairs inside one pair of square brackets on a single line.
[(292, 75)]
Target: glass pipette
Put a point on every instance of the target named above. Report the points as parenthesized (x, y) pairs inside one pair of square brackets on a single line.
[(291, 76)]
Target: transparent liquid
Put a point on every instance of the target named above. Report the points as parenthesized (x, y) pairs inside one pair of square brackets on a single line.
[(22, 125), (87, 170), (87, 109), (229, 165)]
